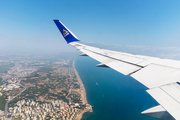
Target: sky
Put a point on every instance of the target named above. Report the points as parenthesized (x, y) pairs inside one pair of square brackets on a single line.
[(26, 26)]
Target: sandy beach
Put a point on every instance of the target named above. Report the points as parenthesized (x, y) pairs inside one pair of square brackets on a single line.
[(83, 91), (83, 95)]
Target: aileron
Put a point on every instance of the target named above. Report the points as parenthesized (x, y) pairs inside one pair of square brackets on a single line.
[(164, 96)]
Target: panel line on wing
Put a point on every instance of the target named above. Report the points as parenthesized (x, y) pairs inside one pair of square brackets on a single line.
[(114, 58), (165, 96), (117, 65), (169, 95), (170, 89)]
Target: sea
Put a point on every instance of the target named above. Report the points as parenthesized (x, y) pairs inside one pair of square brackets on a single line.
[(113, 96)]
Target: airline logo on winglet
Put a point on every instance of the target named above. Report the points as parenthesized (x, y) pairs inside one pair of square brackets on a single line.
[(65, 33)]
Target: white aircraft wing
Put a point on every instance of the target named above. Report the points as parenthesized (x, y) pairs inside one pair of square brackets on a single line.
[(161, 76)]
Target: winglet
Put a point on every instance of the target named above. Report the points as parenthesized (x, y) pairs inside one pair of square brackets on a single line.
[(66, 33)]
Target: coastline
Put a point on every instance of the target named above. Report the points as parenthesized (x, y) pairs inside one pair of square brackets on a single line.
[(82, 88), (83, 94)]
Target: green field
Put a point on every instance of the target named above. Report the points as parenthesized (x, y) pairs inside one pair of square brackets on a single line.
[(1, 82), (5, 68), (19, 118), (2, 103)]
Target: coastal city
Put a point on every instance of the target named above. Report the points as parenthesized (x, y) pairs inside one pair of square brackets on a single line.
[(34, 88)]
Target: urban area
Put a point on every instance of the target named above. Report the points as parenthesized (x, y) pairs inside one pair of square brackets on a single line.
[(41, 88)]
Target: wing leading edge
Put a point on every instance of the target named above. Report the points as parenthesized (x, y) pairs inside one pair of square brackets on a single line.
[(161, 76)]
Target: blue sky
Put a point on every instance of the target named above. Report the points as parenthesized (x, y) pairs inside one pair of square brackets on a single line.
[(27, 26)]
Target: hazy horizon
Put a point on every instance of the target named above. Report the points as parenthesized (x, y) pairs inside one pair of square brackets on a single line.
[(28, 27)]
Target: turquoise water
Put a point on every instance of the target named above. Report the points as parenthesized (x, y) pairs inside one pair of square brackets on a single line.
[(112, 95)]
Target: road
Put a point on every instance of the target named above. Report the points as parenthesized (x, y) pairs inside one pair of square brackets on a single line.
[(70, 90), (6, 105)]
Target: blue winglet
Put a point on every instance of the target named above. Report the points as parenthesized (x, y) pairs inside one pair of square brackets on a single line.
[(66, 33)]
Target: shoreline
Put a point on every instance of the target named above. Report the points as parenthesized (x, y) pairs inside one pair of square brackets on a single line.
[(82, 88), (83, 94)]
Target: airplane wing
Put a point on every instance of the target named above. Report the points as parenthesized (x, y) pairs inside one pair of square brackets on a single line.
[(161, 76)]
